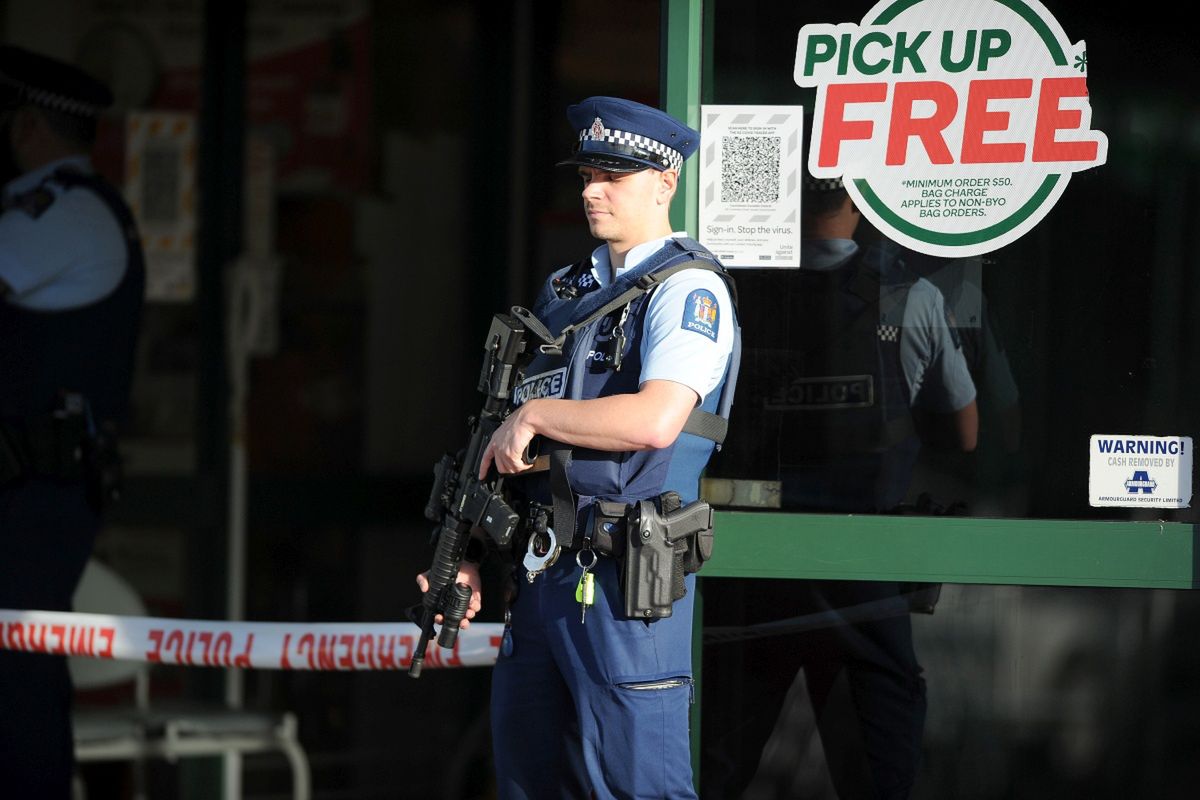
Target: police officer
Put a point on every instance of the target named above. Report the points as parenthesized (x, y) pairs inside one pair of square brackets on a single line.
[(851, 365), (71, 288), (993, 486), (586, 699)]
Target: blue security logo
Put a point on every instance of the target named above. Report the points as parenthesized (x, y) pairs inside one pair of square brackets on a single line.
[(1141, 482)]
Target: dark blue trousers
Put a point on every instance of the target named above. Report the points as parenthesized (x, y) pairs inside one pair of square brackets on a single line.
[(864, 684), (600, 707), (47, 531)]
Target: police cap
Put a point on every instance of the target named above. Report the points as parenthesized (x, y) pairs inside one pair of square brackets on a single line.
[(28, 77), (618, 135)]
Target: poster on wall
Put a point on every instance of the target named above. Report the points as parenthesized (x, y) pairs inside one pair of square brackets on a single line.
[(308, 77), (955, 125), (160, 187), (1140, 471), (750, 176)]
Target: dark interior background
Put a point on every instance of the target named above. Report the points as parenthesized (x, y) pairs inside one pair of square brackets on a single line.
[(413, 195)]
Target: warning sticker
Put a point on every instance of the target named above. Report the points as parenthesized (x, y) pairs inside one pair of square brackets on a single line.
[(1140, 471)]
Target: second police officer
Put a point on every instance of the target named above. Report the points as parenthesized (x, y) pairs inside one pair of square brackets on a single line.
[(71, 294), (852, 365)]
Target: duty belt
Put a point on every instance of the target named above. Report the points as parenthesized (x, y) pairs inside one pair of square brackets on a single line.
[(657, 542), (49, 446), (542, 545)]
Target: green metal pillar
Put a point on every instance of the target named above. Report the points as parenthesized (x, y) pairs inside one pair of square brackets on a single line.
[(679, 89)]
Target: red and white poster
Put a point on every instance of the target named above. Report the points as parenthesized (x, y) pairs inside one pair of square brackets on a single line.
[(955, 125)]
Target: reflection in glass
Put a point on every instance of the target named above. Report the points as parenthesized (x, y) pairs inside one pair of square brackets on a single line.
[(850, 365), (1085, 325)]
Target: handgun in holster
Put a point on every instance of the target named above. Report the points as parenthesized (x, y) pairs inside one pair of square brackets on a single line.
[(664, 544)]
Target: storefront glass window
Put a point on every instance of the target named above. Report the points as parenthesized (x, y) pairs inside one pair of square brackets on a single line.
[(1078, 328)]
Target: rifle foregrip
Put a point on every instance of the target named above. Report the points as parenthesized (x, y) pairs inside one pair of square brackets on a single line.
[(457, 603), (444, 569)]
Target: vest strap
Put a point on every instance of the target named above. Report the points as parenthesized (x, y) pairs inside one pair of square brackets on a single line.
[(563, 496), (706, 425), (689, 257), (535, 326)]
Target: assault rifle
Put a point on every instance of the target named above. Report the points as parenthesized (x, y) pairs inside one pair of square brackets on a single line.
[(460, 503)]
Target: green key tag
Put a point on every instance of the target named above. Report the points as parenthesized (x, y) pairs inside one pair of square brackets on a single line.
[(585, 590)]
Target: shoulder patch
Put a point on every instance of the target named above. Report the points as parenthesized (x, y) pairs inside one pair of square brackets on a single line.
[(701, 314), (34, 202)]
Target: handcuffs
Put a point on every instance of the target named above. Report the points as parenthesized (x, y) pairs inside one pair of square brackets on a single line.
[(541, 552)]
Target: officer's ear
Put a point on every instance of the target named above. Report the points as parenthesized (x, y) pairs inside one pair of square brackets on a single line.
[(668, 182)]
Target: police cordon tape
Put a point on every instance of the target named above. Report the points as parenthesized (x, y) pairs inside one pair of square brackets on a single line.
[(342, 646), (336, 646)]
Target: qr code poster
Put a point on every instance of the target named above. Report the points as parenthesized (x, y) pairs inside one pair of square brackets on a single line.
[(160, 187), (750, 175)]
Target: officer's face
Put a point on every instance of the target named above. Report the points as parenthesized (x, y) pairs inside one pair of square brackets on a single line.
[(626, 208)]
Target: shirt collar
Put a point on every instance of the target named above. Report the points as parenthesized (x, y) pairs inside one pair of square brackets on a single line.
[(602, 266), (826, 254), (33, 178)]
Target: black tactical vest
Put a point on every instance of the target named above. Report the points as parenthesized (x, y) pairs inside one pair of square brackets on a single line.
[(87, 350), (823, 402)]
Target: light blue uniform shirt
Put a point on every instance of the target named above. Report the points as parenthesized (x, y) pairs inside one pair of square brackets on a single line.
[(670, 350), (933, 362), (70, 255)]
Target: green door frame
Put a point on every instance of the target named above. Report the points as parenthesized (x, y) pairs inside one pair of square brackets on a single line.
[(1149, 554)]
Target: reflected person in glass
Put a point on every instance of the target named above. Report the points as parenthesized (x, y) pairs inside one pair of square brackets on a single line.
[(850, 367)]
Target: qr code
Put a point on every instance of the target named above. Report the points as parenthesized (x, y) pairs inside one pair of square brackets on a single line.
[(162, 166), (750, 169)]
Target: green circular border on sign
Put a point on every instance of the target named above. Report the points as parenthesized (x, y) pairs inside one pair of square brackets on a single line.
[(1005, 225), (957, 239)]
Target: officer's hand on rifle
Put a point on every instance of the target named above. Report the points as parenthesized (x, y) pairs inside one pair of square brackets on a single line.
[(468, 573), (509, 445)]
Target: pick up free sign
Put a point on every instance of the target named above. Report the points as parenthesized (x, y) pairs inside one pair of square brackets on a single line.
[(954, 124)]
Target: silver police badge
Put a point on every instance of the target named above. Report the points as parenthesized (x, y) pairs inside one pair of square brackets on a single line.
[(597, 128)]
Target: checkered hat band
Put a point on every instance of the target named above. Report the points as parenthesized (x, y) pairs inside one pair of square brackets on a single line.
[(822, 184), (51, 100), (637, 141), (60, 103)]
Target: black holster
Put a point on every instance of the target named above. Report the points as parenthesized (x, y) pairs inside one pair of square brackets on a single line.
[(664, 543), (64, 445)]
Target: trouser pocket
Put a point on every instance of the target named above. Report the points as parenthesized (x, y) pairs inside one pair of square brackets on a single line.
[(662, 685)]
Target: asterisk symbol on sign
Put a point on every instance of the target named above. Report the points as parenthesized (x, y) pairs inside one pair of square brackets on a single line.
[(1081, 61)]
